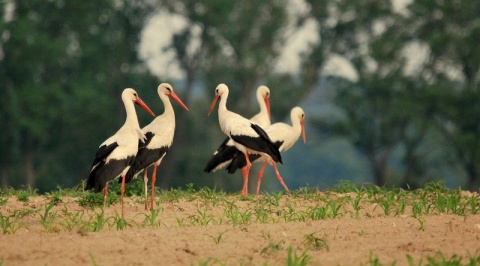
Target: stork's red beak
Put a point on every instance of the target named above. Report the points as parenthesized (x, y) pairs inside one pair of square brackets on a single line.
[(175, 98), (303, 131), (214, 102), (144, 106), (267, 103)]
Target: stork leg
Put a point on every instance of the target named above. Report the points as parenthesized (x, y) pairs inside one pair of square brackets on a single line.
[(280, 179), (122, 190), (245, 172), (145, 183), (154, 179), (260, 176), (105, 193)]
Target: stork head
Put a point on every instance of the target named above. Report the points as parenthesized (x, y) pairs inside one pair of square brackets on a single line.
[(132, 95), (220, 90), (297, 114), (167, 89), (263, 92)]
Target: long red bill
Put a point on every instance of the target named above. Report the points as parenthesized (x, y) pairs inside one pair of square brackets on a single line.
[(144, 106), (267, 103), (175, 98), (214, 102), (303, 131)]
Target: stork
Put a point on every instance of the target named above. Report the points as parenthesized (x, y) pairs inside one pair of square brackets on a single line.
[(225, 152), (247, 136), (283, 136), (159, 134), (116, 154)]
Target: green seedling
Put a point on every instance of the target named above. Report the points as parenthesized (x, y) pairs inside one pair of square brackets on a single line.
[(272, 247), (310, 241), (10, 223), (152, 219), (218, 238), (72, 220), (421, 226), (47, 218), (297, 260)]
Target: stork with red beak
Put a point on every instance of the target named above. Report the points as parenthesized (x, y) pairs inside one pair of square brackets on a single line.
[(248, 137), (159, 134), (116, 154), (225, 152), (283, 136)]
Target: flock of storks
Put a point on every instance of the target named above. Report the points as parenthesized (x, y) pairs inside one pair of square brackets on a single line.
[(132, 149)]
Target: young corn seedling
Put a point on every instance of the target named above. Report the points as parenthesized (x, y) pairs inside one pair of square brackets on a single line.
[(72, 220), (218, 238), (356, 204), (152, 219), (9, 223), (47, 218), (297, 260), (387, 202), (310, 241)]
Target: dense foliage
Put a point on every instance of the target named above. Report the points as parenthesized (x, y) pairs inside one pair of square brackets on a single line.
[(63, 65)]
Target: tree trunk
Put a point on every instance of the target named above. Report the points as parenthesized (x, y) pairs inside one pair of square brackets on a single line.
[(29, 163), (473, 177), (4, 173), (379, 166)]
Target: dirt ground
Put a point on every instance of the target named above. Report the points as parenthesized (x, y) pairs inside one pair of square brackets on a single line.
[(176, 240)]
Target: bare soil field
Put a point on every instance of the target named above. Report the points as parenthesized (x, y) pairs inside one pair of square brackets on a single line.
[(211, 228)]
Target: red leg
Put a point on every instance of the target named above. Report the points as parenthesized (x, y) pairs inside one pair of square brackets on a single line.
[(154, 179), (105, 193), (260, 176), (145, 184), (245, 172), (245, 181), (122, 190), (280, 179)]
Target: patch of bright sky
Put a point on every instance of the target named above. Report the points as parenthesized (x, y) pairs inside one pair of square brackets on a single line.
[(157, 35)]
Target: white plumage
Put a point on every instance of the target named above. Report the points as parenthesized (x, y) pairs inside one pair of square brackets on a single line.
[(159, 137), (284, 137), (248, 137), (225, 152), (116, 154)]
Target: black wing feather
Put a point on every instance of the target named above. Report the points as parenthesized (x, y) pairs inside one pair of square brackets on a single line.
[(148, 137), (222, 155), (145, 157), (263, 143), (239, 161)]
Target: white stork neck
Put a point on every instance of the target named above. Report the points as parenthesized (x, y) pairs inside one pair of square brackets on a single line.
[(222, 106), (297, 128), (131, 119), (167, 104), (261, 102)]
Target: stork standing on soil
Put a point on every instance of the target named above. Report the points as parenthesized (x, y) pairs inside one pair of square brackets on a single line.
[(116, 154), (248, 137), (283, 136), (225, 152), (159, 134)]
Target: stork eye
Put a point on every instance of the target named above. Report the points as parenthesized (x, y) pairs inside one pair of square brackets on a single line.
[(169, 89)]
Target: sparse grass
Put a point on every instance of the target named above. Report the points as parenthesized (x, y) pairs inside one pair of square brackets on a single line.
[(213, 207), (346, 198)]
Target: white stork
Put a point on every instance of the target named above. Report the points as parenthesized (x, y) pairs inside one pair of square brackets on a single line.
[(283, 136), (116, 154), (159, 134), (248, 137), (225, 152)]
